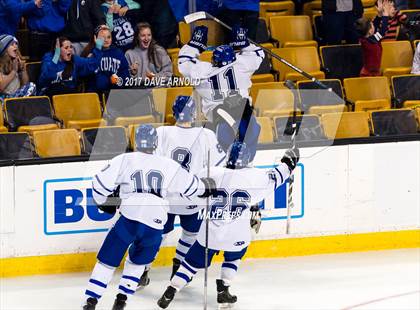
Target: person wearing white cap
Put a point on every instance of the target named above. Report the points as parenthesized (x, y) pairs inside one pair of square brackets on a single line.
[(14, 80)]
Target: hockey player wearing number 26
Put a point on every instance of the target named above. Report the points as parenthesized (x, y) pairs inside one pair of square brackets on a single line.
[(238, 188), (229, 75), (142, 180)]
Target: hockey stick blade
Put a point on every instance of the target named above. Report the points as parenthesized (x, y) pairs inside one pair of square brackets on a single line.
[(190, 18)]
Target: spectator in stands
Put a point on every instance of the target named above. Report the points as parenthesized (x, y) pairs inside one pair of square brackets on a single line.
[(61, 69), (113, 64), (147, 59), (371, 37), (416, 61), (81, 20), (14, 80), (242, 13), (119, 23), (11, 11), (44, 26), (338, 17), (396, 18)]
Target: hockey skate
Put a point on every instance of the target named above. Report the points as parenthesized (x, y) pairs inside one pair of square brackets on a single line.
[(224, 299), (144, 280), (90, 304), (120, 302), (167, 297)]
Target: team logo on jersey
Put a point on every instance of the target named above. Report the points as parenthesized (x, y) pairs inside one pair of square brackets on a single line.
[(69, 208), (239, 243)]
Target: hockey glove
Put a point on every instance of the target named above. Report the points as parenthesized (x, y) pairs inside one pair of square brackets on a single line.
[(239, 37), (199, 38), (255, 221), (210, 187), (291, 158), (112, 203)]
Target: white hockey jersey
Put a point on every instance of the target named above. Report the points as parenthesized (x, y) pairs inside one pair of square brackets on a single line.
[(218, 83), (238, 190), (145, 180), (189, 146)]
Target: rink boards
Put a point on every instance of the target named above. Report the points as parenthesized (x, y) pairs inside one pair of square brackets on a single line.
[(346, 198)]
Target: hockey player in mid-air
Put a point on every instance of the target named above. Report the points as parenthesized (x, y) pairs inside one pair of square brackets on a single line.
[(238, 188), (189, 146), (224, 85), (143, 180)]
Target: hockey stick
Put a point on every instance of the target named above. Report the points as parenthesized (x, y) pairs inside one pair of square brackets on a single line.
[(289, 84), (206, 250), (204, 15)]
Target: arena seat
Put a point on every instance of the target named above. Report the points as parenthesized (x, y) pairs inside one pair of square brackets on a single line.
[(341, 61), (56, 143), (129, 120), (322, 109), (367, 88), (309, 128), (125, 106), (292, 31), (34, 71), (104, 140), (370, 105), (393, 122), (262, 35), (276, 8), (397, 58), (266, 133), (271, 97), (15, 145), (2, 127), (305, 58), (312, 8), (311, 95), (78, 110), (346, 125), (405, 87), (411, 104), (165, 97), (28, 114)]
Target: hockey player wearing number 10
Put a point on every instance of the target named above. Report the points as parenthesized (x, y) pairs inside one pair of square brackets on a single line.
[(229, 75), (144, 180), (238, 188), (189, 146)]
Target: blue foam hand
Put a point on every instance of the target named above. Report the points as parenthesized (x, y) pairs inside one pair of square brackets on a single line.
[(239, 37), (199, 38)]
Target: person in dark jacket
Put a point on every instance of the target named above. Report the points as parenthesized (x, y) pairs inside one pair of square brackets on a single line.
[(338, 17), (113, 65), (45, 24), (372, 34), (81, 20), (61, 69), (11, 12)]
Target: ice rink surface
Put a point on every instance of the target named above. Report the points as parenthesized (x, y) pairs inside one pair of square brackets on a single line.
[(380, 280)]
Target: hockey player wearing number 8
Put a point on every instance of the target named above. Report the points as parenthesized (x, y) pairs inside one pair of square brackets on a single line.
[(228, 76), (238, 188), (189, 146), (143, 181)]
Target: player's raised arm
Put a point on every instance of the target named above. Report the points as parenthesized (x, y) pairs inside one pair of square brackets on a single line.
[(250, 55), (188, 63), (289, 162)]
